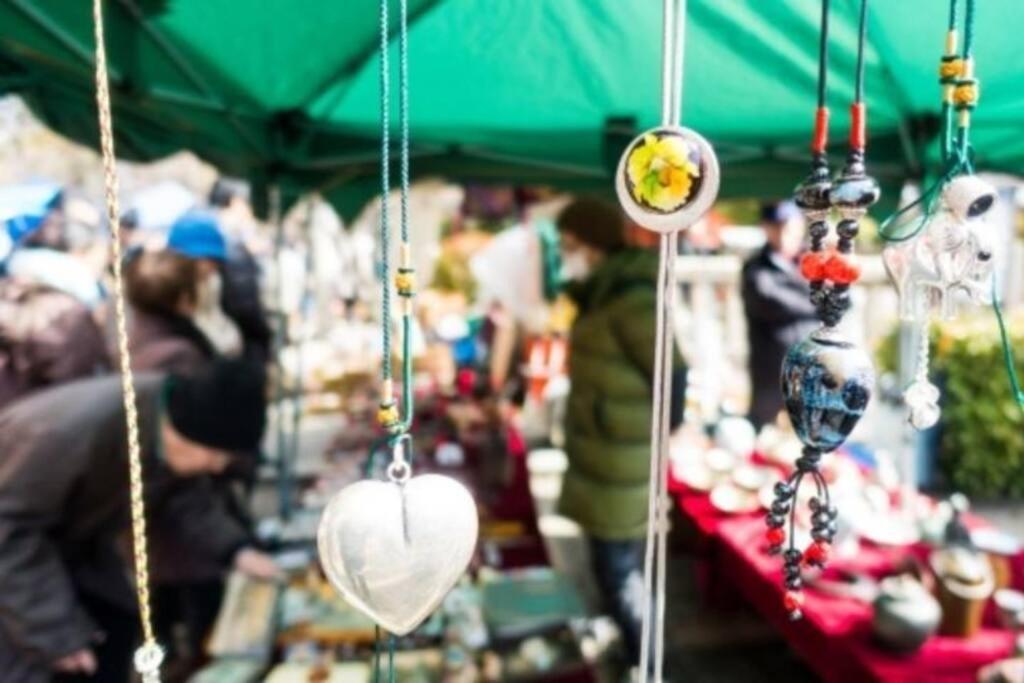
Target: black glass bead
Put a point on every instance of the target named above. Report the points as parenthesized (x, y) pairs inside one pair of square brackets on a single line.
[(774, 521), (791, 571), (780, 508), (812, 194), (832, 511), (820, 534), (847, 228), (818, 230), (793, 556), (820, 518), (854, 189), (794, 583), (814, 503), (832, 528), (783, 491)]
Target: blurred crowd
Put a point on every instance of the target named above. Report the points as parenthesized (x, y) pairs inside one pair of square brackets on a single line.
[(199, 342)]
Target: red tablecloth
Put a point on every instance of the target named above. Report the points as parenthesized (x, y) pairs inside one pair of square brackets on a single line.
[(834, 637)]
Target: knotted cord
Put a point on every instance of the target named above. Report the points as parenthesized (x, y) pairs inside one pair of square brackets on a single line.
[(655, 552), (389, 415), (148, 658), (395, 421)]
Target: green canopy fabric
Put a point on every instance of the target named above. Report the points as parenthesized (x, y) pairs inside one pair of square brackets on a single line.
[(523, 91)]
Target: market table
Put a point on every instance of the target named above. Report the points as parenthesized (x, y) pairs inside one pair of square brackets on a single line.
[(834, 637)]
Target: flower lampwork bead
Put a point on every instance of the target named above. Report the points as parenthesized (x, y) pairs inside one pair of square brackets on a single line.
[(667, 179)]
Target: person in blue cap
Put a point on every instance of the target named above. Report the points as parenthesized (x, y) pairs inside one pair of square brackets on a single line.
[(197, 237), (778, 310)]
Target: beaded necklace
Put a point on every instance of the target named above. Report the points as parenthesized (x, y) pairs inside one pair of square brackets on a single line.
[(826, 380)]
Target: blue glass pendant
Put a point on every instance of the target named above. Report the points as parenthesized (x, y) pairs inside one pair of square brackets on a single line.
[(826, 384)]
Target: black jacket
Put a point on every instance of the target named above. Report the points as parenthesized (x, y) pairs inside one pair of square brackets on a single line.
[(779, 314), (64, 515)]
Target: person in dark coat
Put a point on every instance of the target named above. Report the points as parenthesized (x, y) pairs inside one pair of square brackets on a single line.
[(47, 337), (67, 607), (242, 296), (777, 306), (161, 290), (161, 287)]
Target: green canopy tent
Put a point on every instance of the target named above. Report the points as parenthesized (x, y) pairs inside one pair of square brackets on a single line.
[(524, 91)]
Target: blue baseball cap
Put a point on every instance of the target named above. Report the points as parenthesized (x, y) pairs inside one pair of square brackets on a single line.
[(197, 235), (23, 208)]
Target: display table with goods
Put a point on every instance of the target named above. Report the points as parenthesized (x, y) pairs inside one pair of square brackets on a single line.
[(509, 618), (899, 601)]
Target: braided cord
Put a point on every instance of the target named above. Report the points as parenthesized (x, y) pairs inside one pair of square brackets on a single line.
[(385, 189), (862, 34), (823, 55), (138, 505)]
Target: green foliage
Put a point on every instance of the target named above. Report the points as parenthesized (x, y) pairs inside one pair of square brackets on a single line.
[(982, 451)]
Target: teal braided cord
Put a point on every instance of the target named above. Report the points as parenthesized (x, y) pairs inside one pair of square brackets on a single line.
[(895, 228), (385, 186), (407, 393), (964, 151), (391, 659), (403, 100), (403, 113), (862, 35), (1008, 360), (376, 654), (946, 135)]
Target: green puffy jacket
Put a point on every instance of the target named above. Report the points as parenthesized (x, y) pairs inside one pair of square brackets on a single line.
[(608, 420)]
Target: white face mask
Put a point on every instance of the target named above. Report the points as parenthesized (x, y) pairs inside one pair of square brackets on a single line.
[(575, 266)]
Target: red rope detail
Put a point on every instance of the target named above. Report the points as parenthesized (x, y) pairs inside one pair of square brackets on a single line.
[(820, 140), (858, 126)]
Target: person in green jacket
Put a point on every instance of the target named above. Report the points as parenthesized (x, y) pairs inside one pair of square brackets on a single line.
[(608, 418)]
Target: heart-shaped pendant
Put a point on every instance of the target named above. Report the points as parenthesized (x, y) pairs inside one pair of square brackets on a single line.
[(826, 384), (394, 549)]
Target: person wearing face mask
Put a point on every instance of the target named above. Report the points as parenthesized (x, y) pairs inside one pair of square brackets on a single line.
[(197, 236), (608, 417), (67, 610), (777, 306)]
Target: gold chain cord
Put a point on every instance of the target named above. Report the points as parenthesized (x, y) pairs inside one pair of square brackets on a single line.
[(138, 506)]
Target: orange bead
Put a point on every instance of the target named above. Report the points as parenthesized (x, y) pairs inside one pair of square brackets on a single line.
[(842, 269), (793, 601), (817, 553), (812, 266)]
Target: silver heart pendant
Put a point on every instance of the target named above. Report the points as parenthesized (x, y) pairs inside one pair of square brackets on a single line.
[(394, 550)]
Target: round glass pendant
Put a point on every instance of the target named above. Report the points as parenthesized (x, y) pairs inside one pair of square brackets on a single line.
[(667, 179), (826, 384)]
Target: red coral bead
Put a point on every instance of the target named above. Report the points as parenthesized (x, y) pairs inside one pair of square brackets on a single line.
[(818, 553), (842, 269), (812, 266), (775, 536), (793, 601)]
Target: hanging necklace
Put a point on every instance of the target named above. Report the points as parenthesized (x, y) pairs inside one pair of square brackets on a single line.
[(948, 250), (149, 656), (667, 178), (826, 380), (394, 548)]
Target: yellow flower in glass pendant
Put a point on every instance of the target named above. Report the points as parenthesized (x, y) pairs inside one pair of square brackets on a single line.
[(663, 170)]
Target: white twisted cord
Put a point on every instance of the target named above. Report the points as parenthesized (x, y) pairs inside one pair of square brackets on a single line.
[(149, 656)]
